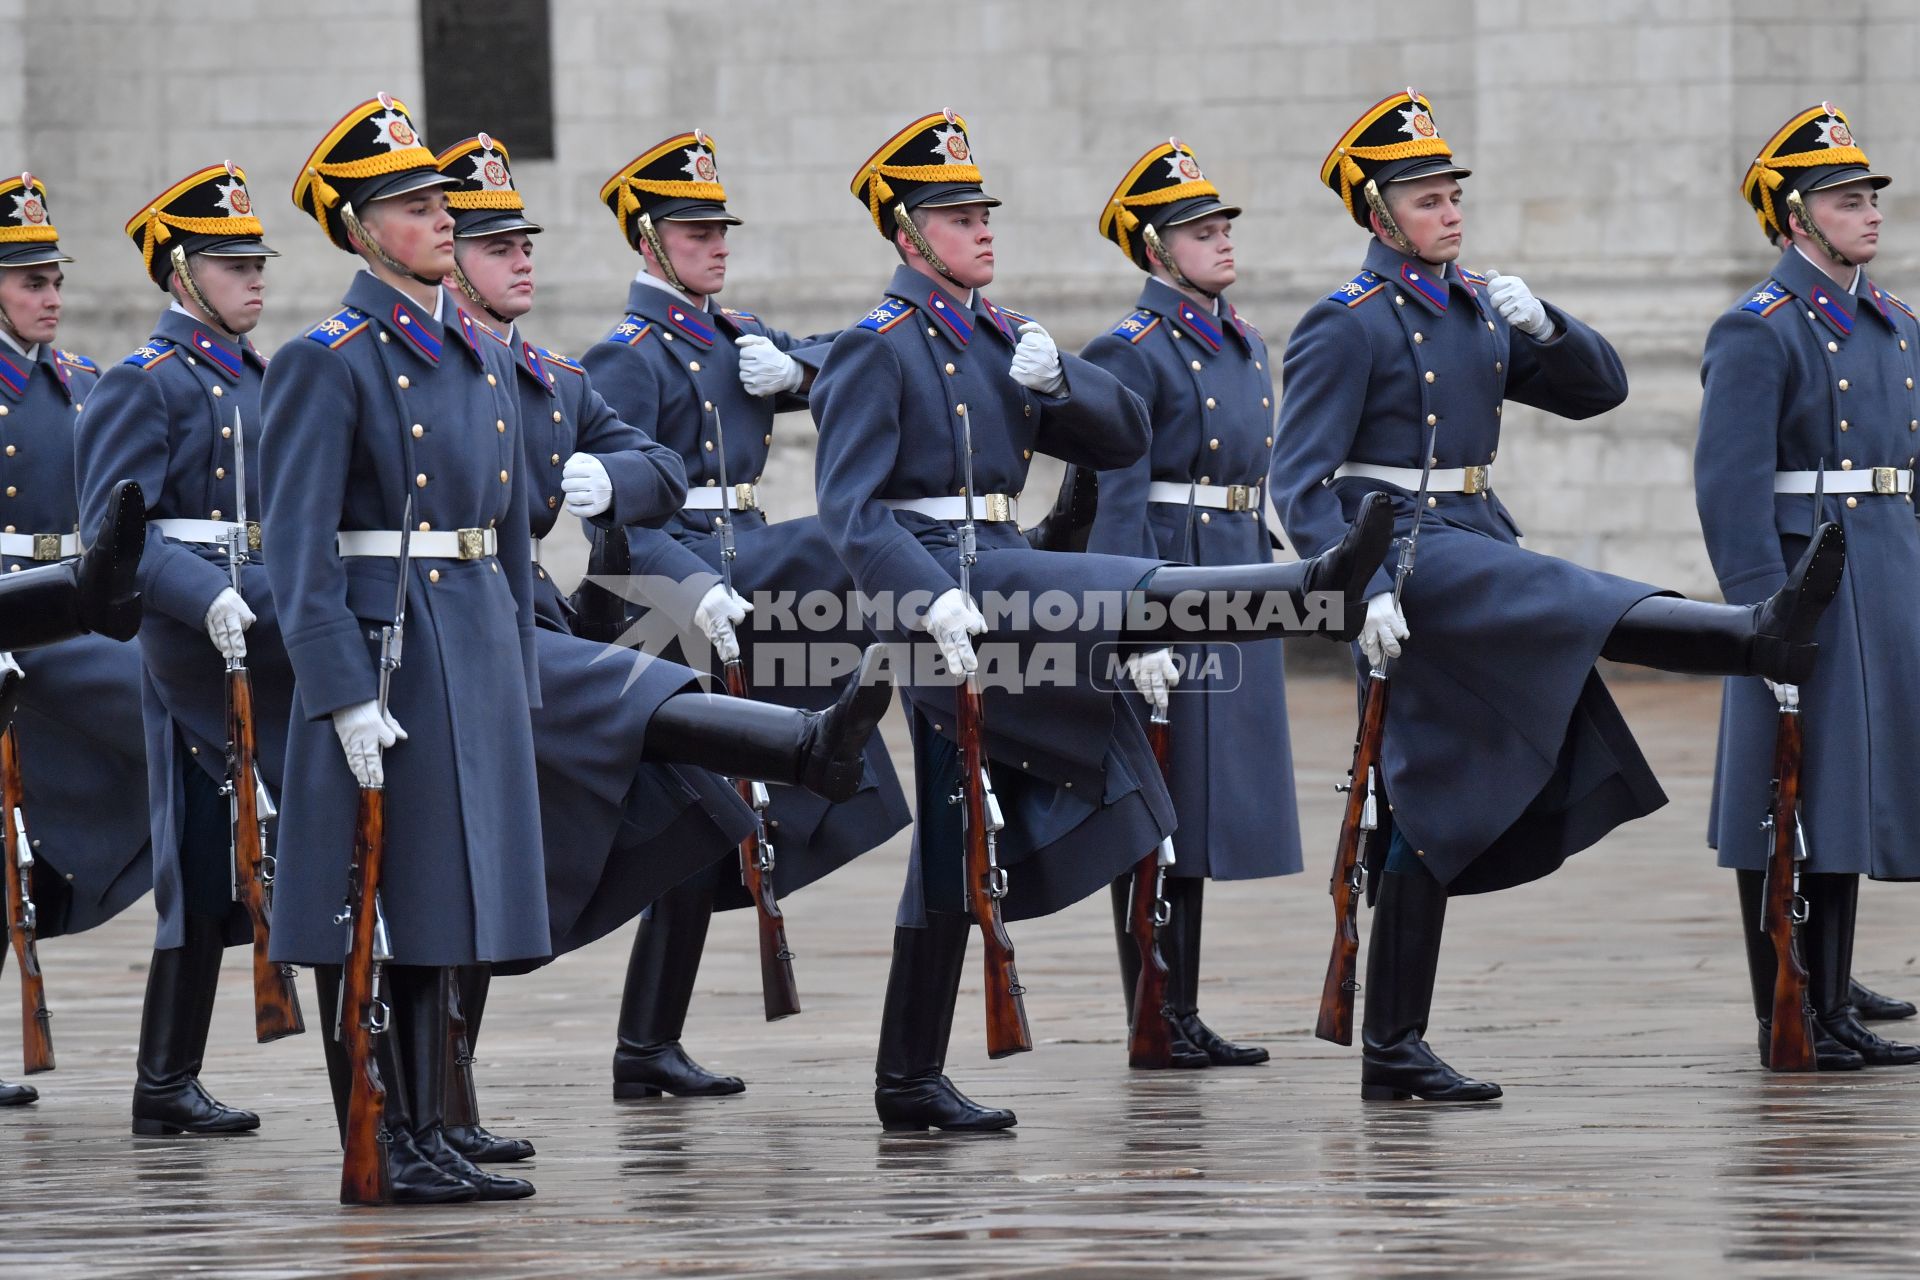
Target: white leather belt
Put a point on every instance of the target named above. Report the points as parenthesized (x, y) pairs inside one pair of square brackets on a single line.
[(1221, 497), (384, 544), (739, 497), (1889, 480), (993, 508), (536, 549), (212, 533), (40, 546), (1441, 480)]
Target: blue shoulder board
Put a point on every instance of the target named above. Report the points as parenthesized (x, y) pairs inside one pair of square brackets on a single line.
[(150, 353), (1136, 326), (74, 359), (1472, 277), (888, 314), (336, 329), (1018, 318), (1358, 290), (1896, 302), (630, 331), (559, 361), (1768, 298), (740, 315)]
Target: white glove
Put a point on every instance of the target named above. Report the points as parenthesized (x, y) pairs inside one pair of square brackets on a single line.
[(1036, 361), (1153, 674), (1512, 299), (364, 731), (717, 614), (766, 370), (9, 663), (1787, 695), (588, 487), (1384, 629), (228, 618), (950, 619)]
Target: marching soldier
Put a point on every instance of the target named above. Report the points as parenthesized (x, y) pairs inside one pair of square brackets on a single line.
[(1503, 753), (701, 378), (1196, 496), (181, 416), (606, 737), (1082, 797), (82, 747), (1809, 382)]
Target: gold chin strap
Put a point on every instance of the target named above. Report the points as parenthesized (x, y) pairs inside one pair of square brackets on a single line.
[(1798, 208), (363, 240), (651, 235), (1157, 249), (466, 287), (1378, 203), (191, 287), (904, 220)]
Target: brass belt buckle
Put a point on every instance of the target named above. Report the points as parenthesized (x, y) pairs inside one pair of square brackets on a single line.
[(473, 543), (254, 540), (999, 507), (1886, 480), (1242, 497), (46, 546), (1477, 480), (744, 498)]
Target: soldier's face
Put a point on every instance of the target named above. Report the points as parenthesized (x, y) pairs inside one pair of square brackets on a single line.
[(416, 229), (1850, 217), (699, 254), (501, 269), (235, 287), (30, 296), (1429, 213), (1203, 250), (962, 237)]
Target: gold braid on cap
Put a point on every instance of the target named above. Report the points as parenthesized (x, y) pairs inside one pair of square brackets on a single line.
[(631, 188), (457, 199), (160, 226), (880, 191), (1126, 221), (1352, 175), (326, 198), (1767, 171)]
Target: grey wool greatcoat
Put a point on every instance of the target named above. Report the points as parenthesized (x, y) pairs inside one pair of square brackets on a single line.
[(1504, 754), (82, 745), (378, 403), (674, 371), (617, 832), (164, 417), (1208, 387), (1082, 796), (1802, 375)]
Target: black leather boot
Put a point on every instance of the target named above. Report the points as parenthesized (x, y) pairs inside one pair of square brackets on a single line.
[(1773, 638), (1069, 525), (181, 985), (326, 990), (1871, 1006), (1828, 935), (653, 1008), (1403, 956), (818, 750), (1829, 1054), (99, 592), (420, 995), (17, 1095), (464, 1131), (1180, 945), (911, 1090), (1343, 570), (413, 1176), (1184, 1055)]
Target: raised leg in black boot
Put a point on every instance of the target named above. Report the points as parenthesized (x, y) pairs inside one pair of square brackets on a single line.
[(653, 1008), (1829, 1054), (1828, 935), (1403, 955), (911, 1090), (1180, 944), (168, 1100), (1184, 1055), (464, 1131), (419, 997)]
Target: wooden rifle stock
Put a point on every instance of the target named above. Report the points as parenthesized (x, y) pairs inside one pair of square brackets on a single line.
[(1790, 1046), (276, 1002), (36, 1034), (1007, 1031), (777, 986), (1149, 1037), (365, 1175), (1336, 993)]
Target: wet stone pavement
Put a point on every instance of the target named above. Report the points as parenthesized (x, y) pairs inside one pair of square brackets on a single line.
[(1638, 1135)]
